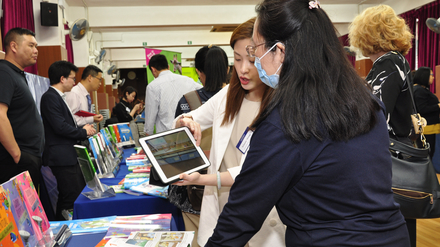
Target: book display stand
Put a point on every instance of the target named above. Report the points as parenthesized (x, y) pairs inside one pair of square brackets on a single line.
[(99, 190)]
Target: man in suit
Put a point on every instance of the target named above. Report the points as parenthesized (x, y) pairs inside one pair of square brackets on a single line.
[(62, 133)]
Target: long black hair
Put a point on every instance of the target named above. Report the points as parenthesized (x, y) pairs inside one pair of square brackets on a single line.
[(421, 76), (319, 90), (215, 69)]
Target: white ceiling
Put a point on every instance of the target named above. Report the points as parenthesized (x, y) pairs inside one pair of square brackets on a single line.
[(121, 26)]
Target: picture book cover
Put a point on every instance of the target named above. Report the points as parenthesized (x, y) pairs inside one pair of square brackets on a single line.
[(138, 175), (125, 132), (9, 233), (150, 189), (137, 162), (112, 133), (129, 182), (97, 155), (139, 169), (108, 143), (124, 225), (32, 202), (160, 239), (92, 225), (17, 207), (107, 161), (117, 134)]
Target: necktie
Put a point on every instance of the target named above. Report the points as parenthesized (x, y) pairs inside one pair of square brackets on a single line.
[(89, 102)]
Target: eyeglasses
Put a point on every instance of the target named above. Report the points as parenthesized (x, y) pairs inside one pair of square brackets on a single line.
[(73, 78), (251, 49), (100, 79)]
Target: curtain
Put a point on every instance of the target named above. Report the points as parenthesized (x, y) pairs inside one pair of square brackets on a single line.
[(344, 41), (18, 13), (428, 55), (410, 18), (69, 46)]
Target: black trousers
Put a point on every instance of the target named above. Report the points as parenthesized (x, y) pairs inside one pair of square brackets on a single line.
[(70, 183), (28, 162)]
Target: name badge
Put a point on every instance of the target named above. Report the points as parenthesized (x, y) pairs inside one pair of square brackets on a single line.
[(245, 140), (127, 109)]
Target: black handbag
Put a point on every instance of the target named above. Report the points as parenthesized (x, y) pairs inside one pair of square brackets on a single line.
[(415, 184)]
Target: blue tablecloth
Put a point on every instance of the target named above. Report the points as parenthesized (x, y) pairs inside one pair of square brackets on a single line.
[(124, 204)]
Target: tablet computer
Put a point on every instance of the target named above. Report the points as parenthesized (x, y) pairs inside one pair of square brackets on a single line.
[(173, 152)]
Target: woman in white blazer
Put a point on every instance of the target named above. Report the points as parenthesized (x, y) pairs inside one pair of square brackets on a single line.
[(242, 99)]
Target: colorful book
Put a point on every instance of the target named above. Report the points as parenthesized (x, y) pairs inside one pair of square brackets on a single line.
[(136, 162), (152, 190), (124, 225), (9, 232), (129, 182), (125, 133), (112, 133), (97, 155), (18, 209), (92, 225), (32, 202), (117, 134)]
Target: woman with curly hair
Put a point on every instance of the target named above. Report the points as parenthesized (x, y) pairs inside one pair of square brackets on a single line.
[(384, 37)]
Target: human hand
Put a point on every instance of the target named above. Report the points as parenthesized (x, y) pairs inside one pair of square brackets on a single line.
[(97, 118), (191, 179), (90, 130), (17, 157), (193, 126), (139, 107)]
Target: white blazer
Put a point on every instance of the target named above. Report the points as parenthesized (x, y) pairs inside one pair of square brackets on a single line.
[(209, 115)]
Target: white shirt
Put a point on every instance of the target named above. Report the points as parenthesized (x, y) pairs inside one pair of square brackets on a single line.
[(63, 96), (77, 100), (161, 99)]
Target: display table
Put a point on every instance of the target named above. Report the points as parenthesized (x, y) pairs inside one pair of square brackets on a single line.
[(124, 204)]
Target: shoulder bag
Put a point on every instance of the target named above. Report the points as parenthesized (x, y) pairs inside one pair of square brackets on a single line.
[(414, 183)]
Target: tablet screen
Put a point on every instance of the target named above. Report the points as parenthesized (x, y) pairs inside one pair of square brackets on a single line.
[(175, 153)]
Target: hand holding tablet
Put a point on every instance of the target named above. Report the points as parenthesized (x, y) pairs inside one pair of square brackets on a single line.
[(172, 153)]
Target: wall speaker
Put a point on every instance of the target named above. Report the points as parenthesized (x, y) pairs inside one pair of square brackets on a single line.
[(49, 14)]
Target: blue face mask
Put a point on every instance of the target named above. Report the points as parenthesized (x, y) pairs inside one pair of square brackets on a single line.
[(270, 80)]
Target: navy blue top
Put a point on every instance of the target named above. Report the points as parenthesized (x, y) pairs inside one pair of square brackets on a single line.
[(327, 193), (183, 106)]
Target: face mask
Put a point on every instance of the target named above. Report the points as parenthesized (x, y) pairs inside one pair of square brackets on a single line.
[(272, 80)]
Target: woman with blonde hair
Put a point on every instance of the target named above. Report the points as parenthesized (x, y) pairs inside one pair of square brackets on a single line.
[(384, 37), (229, 113)]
